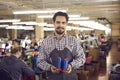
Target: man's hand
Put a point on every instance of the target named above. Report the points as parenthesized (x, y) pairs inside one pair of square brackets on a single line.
[(69, 69), (54, 69)]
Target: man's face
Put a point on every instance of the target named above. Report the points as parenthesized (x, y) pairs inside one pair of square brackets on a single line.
[(60, 24)]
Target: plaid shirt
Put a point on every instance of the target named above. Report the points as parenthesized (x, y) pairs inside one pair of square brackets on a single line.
[(51, 42)]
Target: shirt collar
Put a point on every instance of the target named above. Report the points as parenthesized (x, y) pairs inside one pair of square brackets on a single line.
[(54, 36)]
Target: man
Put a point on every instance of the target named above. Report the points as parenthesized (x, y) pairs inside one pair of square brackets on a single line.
[(92, 40), (61, 45), (17, 69)]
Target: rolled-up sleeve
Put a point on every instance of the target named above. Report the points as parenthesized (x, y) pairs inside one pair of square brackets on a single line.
[(42, 63), (79, 55)]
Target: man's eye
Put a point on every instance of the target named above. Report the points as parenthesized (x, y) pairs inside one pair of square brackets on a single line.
[(63, 22)]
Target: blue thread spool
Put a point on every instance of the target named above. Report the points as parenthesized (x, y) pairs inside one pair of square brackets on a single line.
[(65, 64), (58, 64)]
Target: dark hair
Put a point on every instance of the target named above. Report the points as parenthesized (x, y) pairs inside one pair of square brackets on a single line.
[(15, 50), (35, 44), (17, 41), (60, 14)]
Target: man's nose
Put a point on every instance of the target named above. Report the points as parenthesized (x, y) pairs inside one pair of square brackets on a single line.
[(61, 24)]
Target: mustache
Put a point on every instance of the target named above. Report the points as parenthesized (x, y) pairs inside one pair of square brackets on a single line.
[(59, 28)]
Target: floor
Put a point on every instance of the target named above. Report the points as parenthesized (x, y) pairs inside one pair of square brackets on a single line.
[(112, 57)]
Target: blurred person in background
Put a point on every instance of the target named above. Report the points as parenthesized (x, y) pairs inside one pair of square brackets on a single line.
[(15, 43), (17, 68)]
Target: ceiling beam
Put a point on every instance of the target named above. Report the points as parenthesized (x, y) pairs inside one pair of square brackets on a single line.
[(81, 8), (5, 12)]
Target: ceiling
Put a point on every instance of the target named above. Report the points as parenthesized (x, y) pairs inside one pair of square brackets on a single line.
[(94, 9)]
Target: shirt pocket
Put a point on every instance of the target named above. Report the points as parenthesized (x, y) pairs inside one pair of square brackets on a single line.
[(48, 48)]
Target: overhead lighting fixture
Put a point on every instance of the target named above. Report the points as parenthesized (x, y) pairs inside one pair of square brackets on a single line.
[(73, 16), (68, 28), (31, 28), (51, 29), (41, 24), (78, 28), (3, 25), (37, 11), (79, 18), (31, 23), (19, 27), (91, 24), (10, 20), (45, 16), (50, 16), (49, 25), (82, 29), (48, 29)]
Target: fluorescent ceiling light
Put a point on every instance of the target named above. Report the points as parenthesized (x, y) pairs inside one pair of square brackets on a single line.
[(14, 28), (19, 27), (49, 25), (29, 28), (50, 16), (82, 29), (45, 16), (10, 20), (91, 24), (68, 28), (3, 25), (31, 23), (73, 16), (52, 29), (80, 18), (49, 29), (78, 28), (41, 24), (37, 11)]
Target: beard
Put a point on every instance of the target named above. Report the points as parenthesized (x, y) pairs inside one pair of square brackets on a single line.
[(60, 30)]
